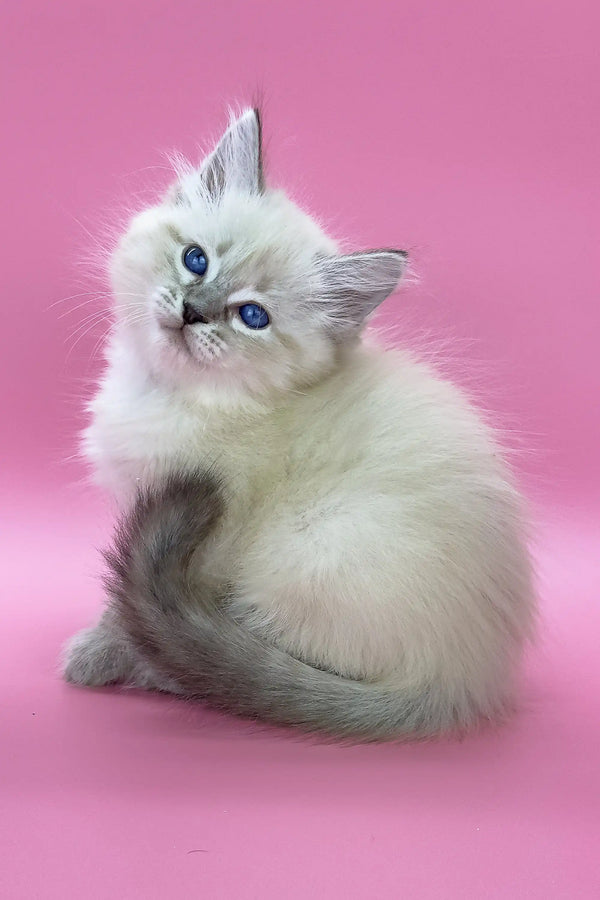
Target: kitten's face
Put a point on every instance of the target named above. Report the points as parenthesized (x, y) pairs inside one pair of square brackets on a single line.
[(231, 284), (257, 252)]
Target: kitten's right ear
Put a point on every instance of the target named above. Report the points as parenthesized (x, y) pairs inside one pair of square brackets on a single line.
[(236, 161)]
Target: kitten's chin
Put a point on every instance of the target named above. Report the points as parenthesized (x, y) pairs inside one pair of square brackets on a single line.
[(184, 358)]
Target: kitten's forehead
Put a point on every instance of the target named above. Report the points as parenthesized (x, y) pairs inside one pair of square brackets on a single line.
[(252, 225)]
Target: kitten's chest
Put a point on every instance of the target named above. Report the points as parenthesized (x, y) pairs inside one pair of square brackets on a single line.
[(137, 436)]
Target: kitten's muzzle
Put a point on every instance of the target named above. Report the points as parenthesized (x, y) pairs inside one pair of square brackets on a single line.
[(191, 316)]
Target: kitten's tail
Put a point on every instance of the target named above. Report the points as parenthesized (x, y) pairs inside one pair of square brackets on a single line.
[(184, 631)]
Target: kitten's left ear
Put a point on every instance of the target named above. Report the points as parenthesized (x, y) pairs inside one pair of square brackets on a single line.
[(352, 286), (236, 161)]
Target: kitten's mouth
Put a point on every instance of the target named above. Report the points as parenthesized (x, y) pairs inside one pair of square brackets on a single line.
[(200, 344)]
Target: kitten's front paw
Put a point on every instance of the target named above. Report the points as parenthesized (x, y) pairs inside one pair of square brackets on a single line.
[(95, 657)]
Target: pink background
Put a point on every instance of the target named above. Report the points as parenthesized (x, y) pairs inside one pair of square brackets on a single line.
[(465, 132)]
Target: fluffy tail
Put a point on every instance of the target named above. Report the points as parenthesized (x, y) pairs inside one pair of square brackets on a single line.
[(185, 633)]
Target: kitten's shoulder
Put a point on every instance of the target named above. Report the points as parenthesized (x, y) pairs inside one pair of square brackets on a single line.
[(373, 367), (395, 383)]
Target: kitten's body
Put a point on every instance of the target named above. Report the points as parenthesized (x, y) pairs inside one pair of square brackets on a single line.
[(369, 526)]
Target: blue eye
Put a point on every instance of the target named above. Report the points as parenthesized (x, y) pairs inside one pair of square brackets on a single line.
[(194, 259), (253, 315)]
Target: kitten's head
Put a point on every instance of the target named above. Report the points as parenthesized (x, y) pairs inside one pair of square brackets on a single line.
[(229, 282)]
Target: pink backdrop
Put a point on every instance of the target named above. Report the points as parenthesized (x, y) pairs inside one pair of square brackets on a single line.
[(465, 132)]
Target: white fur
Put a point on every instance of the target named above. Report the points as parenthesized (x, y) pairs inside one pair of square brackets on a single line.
[(372, 526)]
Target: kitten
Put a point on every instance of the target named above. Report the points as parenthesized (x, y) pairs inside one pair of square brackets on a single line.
[(315, 532)]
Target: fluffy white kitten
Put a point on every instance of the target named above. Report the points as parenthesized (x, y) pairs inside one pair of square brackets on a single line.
[(316, 532)]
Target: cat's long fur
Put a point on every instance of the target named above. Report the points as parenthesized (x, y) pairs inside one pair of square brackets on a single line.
[(185, 631), (316, 532)]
